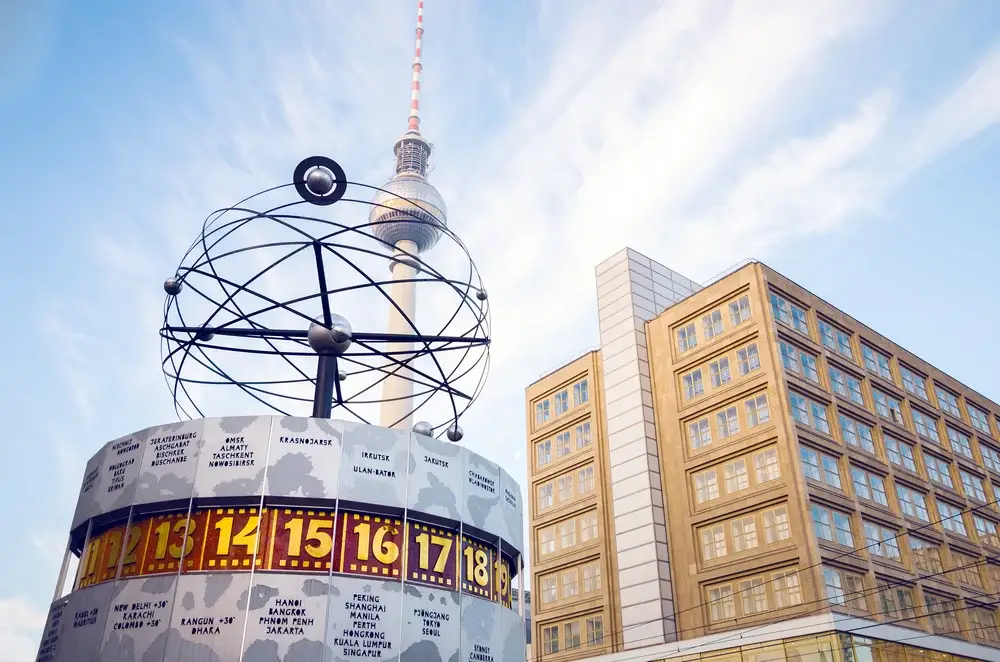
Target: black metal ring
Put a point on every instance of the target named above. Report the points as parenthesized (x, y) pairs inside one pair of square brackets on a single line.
[(339, 178)]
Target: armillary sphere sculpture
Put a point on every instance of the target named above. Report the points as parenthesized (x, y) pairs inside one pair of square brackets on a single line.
[(283, 295)]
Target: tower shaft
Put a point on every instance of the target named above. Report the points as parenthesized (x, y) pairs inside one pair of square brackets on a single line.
[(397, 390)]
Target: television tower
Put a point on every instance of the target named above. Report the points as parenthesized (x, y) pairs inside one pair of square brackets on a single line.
[(407, 215)]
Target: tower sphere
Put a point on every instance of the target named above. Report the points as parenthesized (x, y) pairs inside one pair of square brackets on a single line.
[(409, 208)]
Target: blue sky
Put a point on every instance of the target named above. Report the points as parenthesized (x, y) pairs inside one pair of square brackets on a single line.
[(852, 145)]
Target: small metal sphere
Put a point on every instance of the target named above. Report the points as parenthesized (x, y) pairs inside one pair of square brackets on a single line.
[(424, 428), (204, 335), (319, 181), (341, 375), (335, 340), (481, 295), (173, 286), (455, 433)]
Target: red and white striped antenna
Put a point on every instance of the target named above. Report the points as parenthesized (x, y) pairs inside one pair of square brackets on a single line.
[(413, 123)]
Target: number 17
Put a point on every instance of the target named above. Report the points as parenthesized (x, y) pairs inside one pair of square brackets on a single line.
[(425, 540)]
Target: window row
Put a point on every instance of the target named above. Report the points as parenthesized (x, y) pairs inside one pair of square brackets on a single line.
[(563, 444), (726, 421), (571, 583), (753, 595), (572, 635), (558, 403), (735, 475), (720, 371), (566, 488), (566, 535), (744, 533), (712, 324)]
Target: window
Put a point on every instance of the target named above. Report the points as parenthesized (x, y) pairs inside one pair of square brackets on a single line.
[(550, 640), (820, 467), (984, 624), (912, 503), (925, 425), (565, 487), (967, 569), (693, 385), (799, 320), (712, 324), (757, 411), (819, 417), (960, 443), (736, 476), (719, 371), (857, 434), (713, 542), (570, 583), (779, 308), (706, 486), (808, 362), (802, 408), (776, 525), (567, 534), (550, 592), (744, 531), (547, 541), (700, 433), (739, 310), (938, 470), (951, 518), (541, 412), (888, 407), (900, 453), (754, 596), (588, 527), (545, 496), (876, 362), (846, 385), (581, 393), (562, 402), (800, 411), (986, 529), (765, 463), (869, 486), (571, 634), (583, 435), (832, 525), (845, 588), (882, 541), (728, 422), (748, 359), (991, 458), (789, 357), (835, 339), (686, 338), (787, 592), (926, 556), (942, 613), (914, 383), (562, 444), (948, 402), (979, 419), (543, 452), (595, 630), (972, 485), (585, 480), (722, 606), (896, 601)]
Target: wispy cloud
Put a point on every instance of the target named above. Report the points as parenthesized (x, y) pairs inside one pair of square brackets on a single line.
[(20, 622)]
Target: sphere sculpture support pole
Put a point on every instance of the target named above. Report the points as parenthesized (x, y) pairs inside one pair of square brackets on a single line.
[(397, 390), (326, 380)]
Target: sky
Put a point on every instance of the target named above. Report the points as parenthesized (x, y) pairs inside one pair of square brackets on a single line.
[(853, 145)]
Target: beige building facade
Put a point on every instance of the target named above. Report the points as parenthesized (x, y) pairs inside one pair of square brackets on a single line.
[(765, 466)]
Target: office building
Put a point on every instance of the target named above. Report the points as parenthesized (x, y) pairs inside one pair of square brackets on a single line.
[(743, 464)]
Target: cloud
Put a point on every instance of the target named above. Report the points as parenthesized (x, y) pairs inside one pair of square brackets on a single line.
[(21, 623)]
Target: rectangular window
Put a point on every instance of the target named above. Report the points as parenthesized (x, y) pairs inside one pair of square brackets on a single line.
[(776, 525), (845, 588), (563, 444), (748, 359), (545, 496), (721, 605), (835, 339), (951, 518), (800, 410), (543, 452), (744, 532), (822, 522), (820, 421), (787, 592), (581, 393), (565, 484), (570, 583), (686, 338), (799, 321), (926, 556), (541, 412), (876, 363), (896, 601), (809, 371), (547, 541), (857, 434), (754, 596), (713, 542), (700, 433), (583, 435), (712, 324), (588, 527), (820, 467), (986, 530), (912, 503), (789, 357), (595, 630), (728, 422), (550, 592), (842, 529), (900, 453), (913, 383), (757, 411), (960, 443), (571, 635), (739, 310), (888, 407), (979, 419), (967, 569), (567, 535), (984, 624), (938, 470), (942, 613), (846, 385), (972, 485), (720, 373), (991, 457), (550, 640), (869, 486), (926, 425), (706, 486), (585, 480), (562, 402), (948, 402), (780, 310), (737, 478), (766, 466), (882, 541), (693, 385)]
